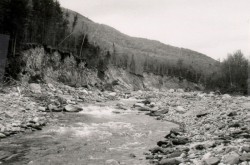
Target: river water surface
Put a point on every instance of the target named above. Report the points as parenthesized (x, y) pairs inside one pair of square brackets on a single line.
[(91, 137)]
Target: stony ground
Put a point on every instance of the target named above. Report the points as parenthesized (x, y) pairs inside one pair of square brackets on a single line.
[(26, 108), (214, 129)]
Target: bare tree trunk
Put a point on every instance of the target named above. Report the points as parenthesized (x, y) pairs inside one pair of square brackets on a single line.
[(65, 39), (82, 45), (75, 42), (230, 75), (196, 77), (14, 46)]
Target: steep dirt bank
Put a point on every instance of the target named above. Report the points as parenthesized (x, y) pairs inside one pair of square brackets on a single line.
[(37, 65), (148, 81)]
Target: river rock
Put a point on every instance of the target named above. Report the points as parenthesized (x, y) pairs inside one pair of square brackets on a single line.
[(84, 91), (180, 90), (2, 127), (150, 157), (245, 148), (171, 161), (180, 109), (236, 124), (233, 113), (171, 91), (146, 102), (245, 157), (144, 109), (9, 115), (163, 142), (72, 108), (59, 91), (35, 88), (180, 141), (4, 154), (42, 109), (156, 150), (231, 158), (51, 87), (226, 97), (246, 106), (121, 106), (199, 147), (152, 105), (2, 135), (112, 94), (111, 162), (158, 113), (54, 108), (201, 114), (207, 156), (212, 161), (132, 155), (139, 105), (63, 99), (174, 154)]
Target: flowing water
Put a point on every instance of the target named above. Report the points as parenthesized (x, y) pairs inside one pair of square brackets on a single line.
[(91, 137)]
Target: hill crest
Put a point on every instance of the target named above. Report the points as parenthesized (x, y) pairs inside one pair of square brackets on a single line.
[(116, 42)]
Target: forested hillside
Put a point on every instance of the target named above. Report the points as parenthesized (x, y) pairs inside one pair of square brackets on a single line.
[(31, 21), (148, 55), (43, 23)]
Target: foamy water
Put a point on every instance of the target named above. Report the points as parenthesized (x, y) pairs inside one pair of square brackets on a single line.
[(98, 111), (101, 130)]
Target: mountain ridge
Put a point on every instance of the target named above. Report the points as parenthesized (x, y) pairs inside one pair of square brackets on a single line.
[(137, 38), (114, 41)]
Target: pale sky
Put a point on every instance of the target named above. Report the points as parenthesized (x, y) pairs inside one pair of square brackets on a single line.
[(212, 27)]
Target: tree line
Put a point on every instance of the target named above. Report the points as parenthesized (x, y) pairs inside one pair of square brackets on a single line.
[(43, 22), (233, 75), (32, 21)]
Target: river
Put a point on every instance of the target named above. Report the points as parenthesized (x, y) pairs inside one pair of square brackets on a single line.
[(97, 135)]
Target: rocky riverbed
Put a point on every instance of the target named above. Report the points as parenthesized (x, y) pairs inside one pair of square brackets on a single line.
[(30, 107), (213, 129)]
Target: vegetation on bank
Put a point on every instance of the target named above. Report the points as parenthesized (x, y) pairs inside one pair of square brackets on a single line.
[(43, 22), (233, 75)]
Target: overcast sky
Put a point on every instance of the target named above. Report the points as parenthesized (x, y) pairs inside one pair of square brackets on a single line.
[(212, 27)]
